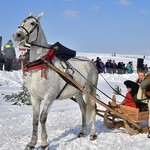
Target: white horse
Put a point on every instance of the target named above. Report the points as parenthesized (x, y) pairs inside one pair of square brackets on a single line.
[(47, 89)]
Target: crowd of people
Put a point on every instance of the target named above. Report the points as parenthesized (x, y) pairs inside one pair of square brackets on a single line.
[(8, 59), (9, 62), (112, 67)]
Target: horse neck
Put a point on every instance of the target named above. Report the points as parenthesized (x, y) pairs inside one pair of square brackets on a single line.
[(37, 52)]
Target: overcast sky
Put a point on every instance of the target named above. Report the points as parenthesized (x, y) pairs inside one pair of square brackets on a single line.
[(121, 26)]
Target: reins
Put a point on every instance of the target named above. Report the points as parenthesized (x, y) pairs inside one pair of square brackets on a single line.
[(88, 80), (33, 44)]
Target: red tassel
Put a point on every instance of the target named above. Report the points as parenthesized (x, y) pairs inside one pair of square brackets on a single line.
[(50, 54), (44, 71)]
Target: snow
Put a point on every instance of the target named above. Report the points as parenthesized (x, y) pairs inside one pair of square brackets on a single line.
[(64, 120)]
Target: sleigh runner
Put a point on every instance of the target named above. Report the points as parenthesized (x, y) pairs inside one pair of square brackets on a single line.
[(111, 120)]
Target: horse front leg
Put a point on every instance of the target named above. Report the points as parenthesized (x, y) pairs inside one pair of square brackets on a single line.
[(36, 112), (43, 119)]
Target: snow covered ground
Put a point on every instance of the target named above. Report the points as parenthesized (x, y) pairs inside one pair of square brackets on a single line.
[(64, 120)]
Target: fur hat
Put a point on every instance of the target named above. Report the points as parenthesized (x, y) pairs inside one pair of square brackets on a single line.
[(133, 85)]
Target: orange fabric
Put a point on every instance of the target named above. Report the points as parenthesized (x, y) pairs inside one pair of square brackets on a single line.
[(129, 100)]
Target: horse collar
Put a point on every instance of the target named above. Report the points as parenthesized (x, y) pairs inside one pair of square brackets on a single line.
[(39, 64)]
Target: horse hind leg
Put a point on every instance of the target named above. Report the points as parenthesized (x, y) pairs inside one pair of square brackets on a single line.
[(91, 112), (80, 101)]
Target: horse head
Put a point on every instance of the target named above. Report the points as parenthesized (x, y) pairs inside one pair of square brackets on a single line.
[(28, 31)]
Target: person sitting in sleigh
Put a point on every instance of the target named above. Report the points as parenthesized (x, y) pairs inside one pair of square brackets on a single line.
[(132, 89)]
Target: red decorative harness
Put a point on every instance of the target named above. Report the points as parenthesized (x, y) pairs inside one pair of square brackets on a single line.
[(49, 56)]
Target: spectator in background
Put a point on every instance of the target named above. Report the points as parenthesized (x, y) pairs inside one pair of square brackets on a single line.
[(131, 64), (114, 66), (102, 66), (121, 68), (145, 68), (108, 66), (141, 76), (2, 60), (16, 64), (128, 68), (10, 55), (97, 63)]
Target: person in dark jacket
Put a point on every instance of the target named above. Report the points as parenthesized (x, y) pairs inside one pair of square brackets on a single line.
[(10, 55), (100, 65), (2, 60)]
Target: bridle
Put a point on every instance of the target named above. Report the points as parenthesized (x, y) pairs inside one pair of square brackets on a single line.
[(36, 26), (29, 32)]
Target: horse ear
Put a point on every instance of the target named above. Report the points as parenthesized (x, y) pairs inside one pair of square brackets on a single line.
[(30, 14), (40, 15)]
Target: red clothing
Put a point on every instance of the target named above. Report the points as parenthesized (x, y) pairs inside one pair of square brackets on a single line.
[(129, 100)]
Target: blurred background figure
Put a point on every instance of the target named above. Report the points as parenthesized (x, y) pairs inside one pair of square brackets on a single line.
[(141, 76), (10, 55), (2, 57), (2, 60)]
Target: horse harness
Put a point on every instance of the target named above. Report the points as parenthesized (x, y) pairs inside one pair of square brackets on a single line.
[(40, 64)]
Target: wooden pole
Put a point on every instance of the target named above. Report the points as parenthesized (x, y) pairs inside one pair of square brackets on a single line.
[(68, 77)]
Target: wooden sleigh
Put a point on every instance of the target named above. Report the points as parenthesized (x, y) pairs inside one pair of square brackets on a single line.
[(111, 120)]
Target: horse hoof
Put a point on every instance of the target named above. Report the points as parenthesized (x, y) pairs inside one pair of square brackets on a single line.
[(93, 137), (46, 147), (80, 135), (28, 147)]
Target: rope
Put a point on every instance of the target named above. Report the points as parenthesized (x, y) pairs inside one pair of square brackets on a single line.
[(88, 80)]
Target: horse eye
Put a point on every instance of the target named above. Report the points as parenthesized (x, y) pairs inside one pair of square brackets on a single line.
[(32, 23)]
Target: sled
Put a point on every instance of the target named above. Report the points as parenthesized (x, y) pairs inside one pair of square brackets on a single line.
[(127, 117), (111, 120)]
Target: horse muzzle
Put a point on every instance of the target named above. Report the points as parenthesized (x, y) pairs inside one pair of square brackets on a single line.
[(19, 36)]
